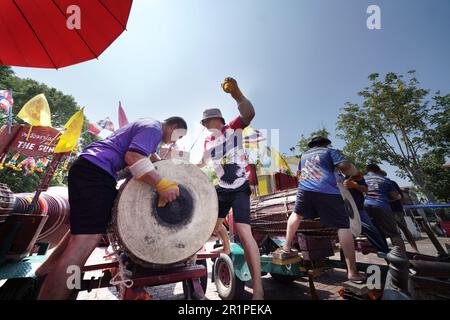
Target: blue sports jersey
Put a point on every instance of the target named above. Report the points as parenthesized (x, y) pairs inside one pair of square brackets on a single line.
[(396, 205), (317, 170), (379, 189), (357, 195)]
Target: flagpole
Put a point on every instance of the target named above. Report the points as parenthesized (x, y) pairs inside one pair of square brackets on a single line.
[(10, 114), (120, 107), (196, 140)]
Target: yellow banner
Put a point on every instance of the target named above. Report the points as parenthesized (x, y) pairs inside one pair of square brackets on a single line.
[(69, 138), (36, 112)]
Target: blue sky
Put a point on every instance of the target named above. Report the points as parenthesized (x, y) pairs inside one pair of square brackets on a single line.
[(298, 61)]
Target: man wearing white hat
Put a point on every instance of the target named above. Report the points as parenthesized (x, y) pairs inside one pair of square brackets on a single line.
[(225, 150)]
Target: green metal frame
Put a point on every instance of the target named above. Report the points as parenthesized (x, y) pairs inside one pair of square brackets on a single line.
[(242, 271), (26, 267)]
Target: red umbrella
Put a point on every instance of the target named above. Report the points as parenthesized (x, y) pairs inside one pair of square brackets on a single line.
[(46, 33)]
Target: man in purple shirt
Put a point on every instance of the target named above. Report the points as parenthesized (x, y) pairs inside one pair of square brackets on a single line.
[(92, 191)]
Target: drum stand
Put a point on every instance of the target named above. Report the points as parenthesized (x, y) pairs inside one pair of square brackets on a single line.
[(190, 275)]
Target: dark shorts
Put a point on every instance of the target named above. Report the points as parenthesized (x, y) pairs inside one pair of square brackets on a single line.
[(330, 208), (384, 220), (238, 200), (400, 219), (92, 192)]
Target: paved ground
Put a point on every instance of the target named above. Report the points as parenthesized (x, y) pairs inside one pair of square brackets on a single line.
[(327, 285)]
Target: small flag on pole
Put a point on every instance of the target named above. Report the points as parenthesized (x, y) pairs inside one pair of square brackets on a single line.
[(36, 112), (6, 103), (69, 138), (94, 129), (6, 100), (106, 124), (123, 121), (252, 137)]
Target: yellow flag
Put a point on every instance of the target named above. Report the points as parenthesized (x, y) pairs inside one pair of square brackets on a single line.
[(36, 112), (280, 163), (69, 138)]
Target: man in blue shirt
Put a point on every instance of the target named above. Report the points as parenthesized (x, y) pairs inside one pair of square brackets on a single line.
[(357, 186), (377, 203), (397, 211), (319, 196)]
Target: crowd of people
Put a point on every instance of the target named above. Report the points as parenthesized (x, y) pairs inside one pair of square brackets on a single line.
[(93, 178)]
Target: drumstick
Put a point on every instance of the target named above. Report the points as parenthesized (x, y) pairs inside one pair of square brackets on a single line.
[(196, 140)]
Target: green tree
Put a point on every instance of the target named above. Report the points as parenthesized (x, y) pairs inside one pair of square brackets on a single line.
[(399, 123), (62, 107), (302, 144)]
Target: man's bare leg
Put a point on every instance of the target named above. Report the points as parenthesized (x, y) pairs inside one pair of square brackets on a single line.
[(48, 265), (292, 227), (222, 233), (252, 257), (77, 252), (348, 247)]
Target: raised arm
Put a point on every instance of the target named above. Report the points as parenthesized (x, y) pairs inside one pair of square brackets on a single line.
[(245, 107)]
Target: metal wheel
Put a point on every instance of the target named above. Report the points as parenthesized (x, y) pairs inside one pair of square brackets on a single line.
[(187, 288), (229, 286)]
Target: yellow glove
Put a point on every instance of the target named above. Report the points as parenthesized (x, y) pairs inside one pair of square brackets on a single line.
[(229, 85), (163, 187)]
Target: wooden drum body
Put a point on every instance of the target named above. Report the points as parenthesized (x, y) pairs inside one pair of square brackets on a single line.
[(269, 214)]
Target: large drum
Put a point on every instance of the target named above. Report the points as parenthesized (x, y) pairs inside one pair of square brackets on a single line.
[(160, 237), (7, 201), (53, 203), (269, 214)]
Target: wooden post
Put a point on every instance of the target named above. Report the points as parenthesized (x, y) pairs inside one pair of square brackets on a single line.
[(434, 240), (49, 173)]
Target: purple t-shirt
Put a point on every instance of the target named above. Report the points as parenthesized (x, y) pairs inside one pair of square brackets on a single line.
[(142, 136)]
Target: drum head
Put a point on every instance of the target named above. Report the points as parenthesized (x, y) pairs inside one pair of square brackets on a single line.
[(352, 209), (164, 236)]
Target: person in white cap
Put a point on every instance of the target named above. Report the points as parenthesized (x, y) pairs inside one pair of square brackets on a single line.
[(225, 150)]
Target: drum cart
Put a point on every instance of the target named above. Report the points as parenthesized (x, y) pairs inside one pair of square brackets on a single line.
[(194, 278), (268, 222), (21, 254), (173, 233), (231, 272), (21, 286), (315, 245)]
